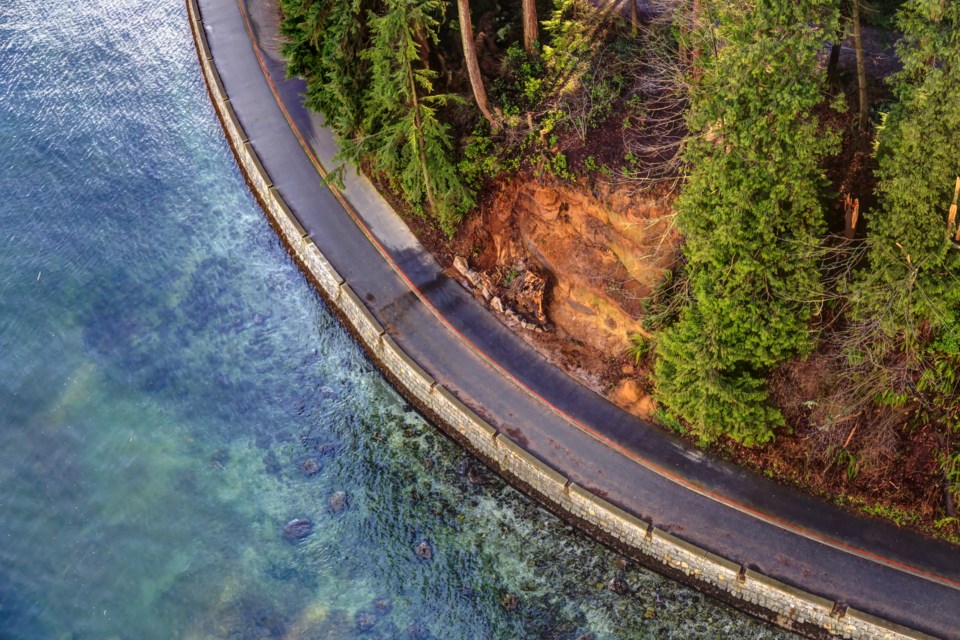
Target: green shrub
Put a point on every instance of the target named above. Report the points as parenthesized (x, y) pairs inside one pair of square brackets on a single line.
[(751, 215)]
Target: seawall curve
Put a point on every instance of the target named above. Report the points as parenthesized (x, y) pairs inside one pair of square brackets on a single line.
[(749, 590)]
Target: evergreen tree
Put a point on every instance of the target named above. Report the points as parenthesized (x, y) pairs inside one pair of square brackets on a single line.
[(324, 41), (912, 285), (751, 215), (401, 133)]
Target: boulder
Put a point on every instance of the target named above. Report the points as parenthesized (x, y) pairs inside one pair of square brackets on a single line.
[(423, 550), (310, 467), (297, 529), (338, 502)]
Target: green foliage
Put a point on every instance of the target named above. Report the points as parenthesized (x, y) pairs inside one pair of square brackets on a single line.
[(324, 41), (482, 159), (848, 462), (751, 216), (911, 285), (939, 386), (571, 39), (362, 61), (521, 89), (910, 290), (559, 167), (405, 138), (639, 348), (950, 466)]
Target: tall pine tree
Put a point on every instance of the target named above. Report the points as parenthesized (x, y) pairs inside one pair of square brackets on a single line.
[(912, 284), (751, 215), (401, 133), (323, 44)]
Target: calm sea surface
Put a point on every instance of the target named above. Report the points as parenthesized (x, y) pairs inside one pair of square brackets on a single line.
[(172, 392)]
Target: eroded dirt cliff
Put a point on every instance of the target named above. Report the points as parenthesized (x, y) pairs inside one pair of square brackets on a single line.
[(571, 264)]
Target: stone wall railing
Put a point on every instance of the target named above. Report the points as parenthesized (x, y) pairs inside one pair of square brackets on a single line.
[(782, 604)]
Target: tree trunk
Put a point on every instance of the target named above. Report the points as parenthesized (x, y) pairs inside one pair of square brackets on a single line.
[(423, 47), (473, 66), (421, 143), (864, 120), (690, 25), (832, 64), (530, 28), (634, 19)]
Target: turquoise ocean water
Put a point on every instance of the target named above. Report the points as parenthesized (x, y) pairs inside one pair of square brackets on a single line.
[(172, 392)]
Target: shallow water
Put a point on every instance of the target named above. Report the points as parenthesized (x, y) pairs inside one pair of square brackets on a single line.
[(166, 373)]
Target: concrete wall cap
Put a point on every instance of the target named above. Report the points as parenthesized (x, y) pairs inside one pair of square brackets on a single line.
[(794, 592), (529, 459), (287, 213), (412, 364), (257, 166), (351, 295), (467, 412), (601, 504), (233, 120)]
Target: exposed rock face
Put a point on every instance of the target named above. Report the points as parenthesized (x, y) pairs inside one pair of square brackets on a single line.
[(600, 254), (605, 258)]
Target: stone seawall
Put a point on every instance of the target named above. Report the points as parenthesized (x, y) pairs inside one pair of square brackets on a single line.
[(782, 604)]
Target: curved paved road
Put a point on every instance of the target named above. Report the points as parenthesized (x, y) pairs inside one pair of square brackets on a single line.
[(872, 566)]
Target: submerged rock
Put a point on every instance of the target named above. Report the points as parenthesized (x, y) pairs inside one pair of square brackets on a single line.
[(365, 620), (477, 474), (474, 471), (417, 631), (509, 601), (297, 529), (220, 458), (310, 467), (382, 606), (423, 550), (271, 463), (618, 585), (338, 502)]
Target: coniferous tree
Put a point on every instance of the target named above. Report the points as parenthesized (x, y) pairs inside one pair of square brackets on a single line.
[(324, 41), (401, 133), (910, 289), (863, 112), (911, 283), (751, 215)]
